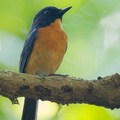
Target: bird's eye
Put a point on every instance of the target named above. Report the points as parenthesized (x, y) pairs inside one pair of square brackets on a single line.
[(46, 13)]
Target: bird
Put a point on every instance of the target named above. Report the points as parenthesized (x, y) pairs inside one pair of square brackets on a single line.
[(43, 50)]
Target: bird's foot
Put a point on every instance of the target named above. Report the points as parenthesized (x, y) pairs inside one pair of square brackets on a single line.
[(58, 75), (43, 76)]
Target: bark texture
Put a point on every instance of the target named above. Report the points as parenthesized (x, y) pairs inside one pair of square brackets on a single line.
[(60, 89)]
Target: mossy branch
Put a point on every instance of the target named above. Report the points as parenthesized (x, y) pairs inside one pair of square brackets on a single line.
[(60, 89)]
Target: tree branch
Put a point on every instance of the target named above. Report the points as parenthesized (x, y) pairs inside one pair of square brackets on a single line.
[(65, 90)]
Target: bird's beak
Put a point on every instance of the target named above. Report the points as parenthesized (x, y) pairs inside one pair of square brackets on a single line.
[(63, 11)]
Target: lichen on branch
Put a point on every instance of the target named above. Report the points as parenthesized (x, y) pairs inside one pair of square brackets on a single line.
[(62, 89)]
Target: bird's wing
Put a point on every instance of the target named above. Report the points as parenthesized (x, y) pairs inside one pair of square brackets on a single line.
[(27, 49)]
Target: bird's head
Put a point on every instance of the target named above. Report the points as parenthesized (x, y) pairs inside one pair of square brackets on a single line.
[(48, 15)]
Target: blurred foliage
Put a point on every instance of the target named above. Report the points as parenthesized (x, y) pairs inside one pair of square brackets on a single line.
[(93, 28)]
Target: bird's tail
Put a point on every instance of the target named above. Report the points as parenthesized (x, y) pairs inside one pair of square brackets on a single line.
[(30, 109)]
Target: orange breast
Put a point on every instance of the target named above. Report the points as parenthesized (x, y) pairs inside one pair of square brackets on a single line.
[(48, 50)]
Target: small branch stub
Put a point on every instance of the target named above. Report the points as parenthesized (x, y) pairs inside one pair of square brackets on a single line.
[(62, 89)]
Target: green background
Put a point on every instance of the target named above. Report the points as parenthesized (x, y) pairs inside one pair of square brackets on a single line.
[(93, 28)]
